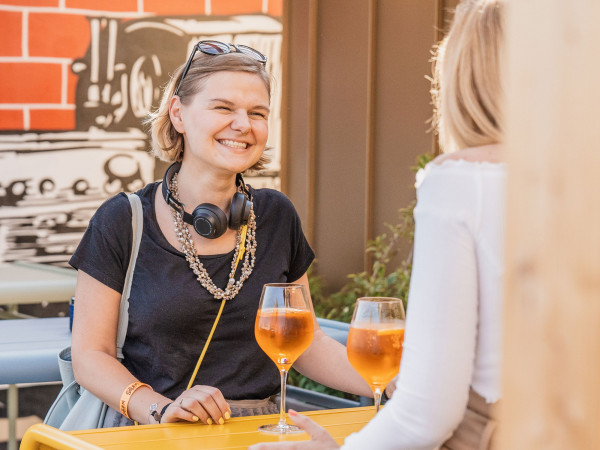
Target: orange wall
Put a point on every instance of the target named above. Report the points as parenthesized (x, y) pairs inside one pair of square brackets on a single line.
[(77, 78), (41, 38)]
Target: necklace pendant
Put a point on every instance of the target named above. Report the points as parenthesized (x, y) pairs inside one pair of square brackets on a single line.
[(187, 246)]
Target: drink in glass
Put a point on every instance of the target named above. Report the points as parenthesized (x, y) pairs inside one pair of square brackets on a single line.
[(284, 333), (375, 340), (284, 328)]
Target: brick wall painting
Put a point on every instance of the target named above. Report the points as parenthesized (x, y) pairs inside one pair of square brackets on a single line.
[(77, 77)]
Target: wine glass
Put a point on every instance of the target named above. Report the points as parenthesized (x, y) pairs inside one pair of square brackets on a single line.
[(375, 340), (284, 328)]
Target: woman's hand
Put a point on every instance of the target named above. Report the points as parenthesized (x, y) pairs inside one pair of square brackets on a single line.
[(320, 438), (391, 387), (199, 403)]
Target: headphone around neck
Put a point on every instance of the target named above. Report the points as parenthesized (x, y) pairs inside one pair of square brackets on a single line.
[(209, 220)]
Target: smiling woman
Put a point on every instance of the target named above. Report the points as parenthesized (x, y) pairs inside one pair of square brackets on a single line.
[(212, 126), (228, 133), (188, 81)]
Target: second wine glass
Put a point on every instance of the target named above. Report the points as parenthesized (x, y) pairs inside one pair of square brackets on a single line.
[(375, 341), (284, 328)]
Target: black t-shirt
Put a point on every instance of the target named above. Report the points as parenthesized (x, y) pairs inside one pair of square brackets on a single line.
[(171, 314)]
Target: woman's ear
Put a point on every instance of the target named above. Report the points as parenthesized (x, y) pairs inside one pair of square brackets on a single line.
[(175, 113)]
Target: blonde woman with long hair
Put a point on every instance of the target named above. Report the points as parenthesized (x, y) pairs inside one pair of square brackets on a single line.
[(452, 347)]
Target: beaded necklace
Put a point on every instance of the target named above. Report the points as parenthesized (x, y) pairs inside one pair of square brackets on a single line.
[(187, 246)]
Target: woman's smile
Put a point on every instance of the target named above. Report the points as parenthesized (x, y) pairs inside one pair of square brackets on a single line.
[(233, 144)]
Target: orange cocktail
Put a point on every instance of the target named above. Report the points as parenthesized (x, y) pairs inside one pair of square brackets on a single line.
[(375, 341), (284, 333), (284, 328), (375, 353)]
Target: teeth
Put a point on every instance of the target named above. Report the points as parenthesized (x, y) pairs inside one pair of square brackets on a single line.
[(233, 144)]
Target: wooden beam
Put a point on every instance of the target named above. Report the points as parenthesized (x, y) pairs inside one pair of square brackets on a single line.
[(370, 129), (552, 295)]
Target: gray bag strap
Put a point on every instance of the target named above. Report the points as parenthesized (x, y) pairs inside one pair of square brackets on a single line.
[(137, 226)]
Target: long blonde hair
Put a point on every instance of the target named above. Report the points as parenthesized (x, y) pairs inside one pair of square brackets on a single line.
[(167, 142), (467, 89)]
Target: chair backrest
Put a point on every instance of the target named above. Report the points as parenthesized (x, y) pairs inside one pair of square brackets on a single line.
[(477, 429), (335, 329)]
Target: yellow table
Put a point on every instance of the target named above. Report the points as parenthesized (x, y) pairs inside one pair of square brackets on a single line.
[(236, 433)]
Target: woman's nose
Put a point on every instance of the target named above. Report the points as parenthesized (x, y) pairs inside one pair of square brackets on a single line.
[(241, 122)]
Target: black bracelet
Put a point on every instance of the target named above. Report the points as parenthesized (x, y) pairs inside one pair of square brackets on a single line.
[(162, 411), (384, 397), (158, 415)]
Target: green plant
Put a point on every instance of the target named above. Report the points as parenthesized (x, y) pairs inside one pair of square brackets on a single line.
[(379, 281)]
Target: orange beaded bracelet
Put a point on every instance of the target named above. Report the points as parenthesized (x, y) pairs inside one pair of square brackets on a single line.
[(127, 393)]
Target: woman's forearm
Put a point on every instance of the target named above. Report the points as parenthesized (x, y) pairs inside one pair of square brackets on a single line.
[(93, 350), (105, 377), (326, 362)]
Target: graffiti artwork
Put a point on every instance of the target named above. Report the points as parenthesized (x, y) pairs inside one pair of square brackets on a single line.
[(52, 182)]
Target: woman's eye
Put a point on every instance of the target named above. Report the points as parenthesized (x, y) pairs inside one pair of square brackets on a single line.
[(258, 115), (223, 108)]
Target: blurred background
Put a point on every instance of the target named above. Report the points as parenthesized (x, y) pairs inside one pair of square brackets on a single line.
[(350, 117), (350, 125), (350, 111)]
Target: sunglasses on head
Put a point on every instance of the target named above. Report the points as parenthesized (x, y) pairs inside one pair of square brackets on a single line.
[(219, 48)]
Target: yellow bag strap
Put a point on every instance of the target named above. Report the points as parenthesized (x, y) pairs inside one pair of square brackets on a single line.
[(212, 331)]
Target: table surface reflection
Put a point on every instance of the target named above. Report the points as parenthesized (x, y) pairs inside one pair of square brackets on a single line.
[(236, 433)]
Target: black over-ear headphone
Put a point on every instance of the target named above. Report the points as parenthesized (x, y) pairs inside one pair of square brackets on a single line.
[(209, 220)]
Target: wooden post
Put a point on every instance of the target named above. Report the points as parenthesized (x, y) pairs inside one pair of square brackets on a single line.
[(552, 294)]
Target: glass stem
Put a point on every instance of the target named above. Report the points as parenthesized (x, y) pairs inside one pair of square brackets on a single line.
[(284, 374), (377, 398)]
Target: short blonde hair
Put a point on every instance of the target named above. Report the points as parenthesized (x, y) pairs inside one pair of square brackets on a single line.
[(167, 142), (467, 89)]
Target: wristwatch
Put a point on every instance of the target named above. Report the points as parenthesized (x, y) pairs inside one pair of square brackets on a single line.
[(384, 396), (158, 415)]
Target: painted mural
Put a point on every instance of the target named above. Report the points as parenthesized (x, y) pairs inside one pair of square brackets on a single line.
[(52, 181)]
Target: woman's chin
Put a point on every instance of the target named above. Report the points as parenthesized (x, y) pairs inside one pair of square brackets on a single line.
[(242, 164)]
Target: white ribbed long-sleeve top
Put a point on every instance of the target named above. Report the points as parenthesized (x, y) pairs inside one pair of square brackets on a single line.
[(454, 318)]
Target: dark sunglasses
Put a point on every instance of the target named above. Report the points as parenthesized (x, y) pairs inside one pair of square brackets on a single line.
[(219, 48)]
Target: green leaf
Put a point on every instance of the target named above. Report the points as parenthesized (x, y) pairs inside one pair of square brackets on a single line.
[(380, 279)]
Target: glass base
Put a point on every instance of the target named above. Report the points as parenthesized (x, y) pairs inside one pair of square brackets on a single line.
[(281, 429)]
